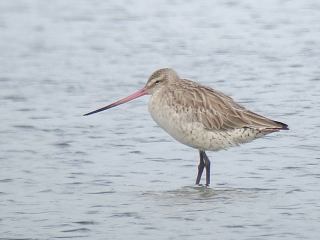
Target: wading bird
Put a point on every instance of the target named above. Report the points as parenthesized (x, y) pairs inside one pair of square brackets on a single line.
[(199, 116)]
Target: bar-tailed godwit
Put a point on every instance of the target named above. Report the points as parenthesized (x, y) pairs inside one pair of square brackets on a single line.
[(199, 116)]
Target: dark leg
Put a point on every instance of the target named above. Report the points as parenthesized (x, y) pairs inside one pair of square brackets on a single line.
[(207, 164), (200, 167)]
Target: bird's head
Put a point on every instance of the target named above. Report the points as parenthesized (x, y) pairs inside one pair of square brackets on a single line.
[(160, 79)]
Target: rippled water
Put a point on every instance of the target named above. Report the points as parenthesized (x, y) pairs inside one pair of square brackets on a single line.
[(116, 175)]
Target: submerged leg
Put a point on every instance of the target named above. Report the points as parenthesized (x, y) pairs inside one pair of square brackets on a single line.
[(207, 164), (200, 167)]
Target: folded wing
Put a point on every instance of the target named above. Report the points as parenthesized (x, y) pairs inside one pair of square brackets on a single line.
[(216, 111)]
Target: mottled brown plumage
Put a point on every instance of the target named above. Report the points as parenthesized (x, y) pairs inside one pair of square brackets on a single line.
[(213, 109)]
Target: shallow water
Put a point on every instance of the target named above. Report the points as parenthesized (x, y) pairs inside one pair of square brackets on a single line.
[(116, 174)]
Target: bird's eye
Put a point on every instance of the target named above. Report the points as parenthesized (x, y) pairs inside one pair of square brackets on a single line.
[(157, 82)]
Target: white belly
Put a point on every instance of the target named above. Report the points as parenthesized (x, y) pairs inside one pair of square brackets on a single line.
[(180, 126)]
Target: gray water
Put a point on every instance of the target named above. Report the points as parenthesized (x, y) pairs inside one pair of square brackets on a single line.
[(116, 175)]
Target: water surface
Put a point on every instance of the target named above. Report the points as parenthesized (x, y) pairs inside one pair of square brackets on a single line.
[(116, 175)]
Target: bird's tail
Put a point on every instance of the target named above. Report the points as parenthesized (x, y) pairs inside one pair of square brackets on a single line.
[(282, 126), (277, 126)]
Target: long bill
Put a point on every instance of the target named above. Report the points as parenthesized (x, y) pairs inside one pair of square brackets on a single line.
[(135, 95)]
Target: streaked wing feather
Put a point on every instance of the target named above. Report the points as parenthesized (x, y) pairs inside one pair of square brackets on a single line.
[(215, 110)]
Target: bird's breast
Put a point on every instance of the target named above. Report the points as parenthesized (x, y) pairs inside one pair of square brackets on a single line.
[(169, 117)]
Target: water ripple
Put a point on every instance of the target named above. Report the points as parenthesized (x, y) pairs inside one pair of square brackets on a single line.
[(117, 174)]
